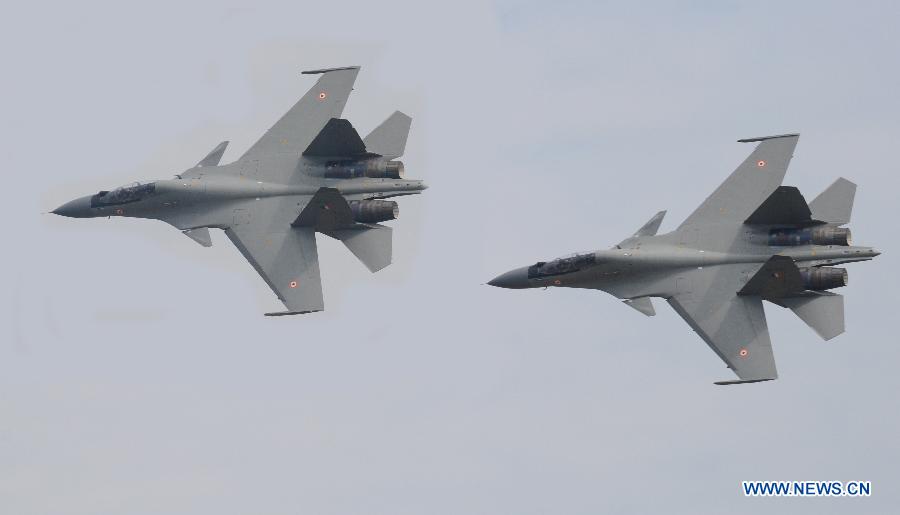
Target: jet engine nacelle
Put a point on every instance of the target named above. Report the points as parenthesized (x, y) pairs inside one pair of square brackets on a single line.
[(374, 211), (816, 236), (374, 168), (823, 278)]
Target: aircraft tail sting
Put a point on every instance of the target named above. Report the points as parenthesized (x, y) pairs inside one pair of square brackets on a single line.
[(751, 240), (310, 172)]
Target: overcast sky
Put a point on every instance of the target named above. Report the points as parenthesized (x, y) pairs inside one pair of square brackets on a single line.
[(138, 375)]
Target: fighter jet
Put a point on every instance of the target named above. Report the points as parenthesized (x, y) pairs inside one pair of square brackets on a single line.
[(751, 240), (311, 172)]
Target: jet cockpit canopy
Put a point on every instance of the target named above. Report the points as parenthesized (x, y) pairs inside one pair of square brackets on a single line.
[(131, 192), (563, 265)]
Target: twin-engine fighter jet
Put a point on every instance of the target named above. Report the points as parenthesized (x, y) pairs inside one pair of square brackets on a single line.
[(309, 173), (751, 240)]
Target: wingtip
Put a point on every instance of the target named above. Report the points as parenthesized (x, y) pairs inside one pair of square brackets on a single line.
[(288, 313), (326, 70), (763, 138), (742, 381)]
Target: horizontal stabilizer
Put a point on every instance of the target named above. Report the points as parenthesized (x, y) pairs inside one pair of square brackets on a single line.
[(389, 138), (337, 139), (652, 225), (778, 277), (214, 156), (785, 206), (200, 235), (327, 210), (823, 312), (371, 244), (835, 204), (642, 304)]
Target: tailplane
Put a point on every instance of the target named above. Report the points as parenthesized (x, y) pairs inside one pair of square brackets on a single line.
[(389, 138), (822, 311), (371, 244), (835, 204)]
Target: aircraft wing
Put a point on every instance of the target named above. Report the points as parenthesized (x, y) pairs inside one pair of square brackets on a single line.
[(286, 257), (734, 326), (749, 185), (293, 133)]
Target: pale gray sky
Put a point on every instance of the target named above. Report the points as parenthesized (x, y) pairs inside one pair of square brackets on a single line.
[(138, 375)]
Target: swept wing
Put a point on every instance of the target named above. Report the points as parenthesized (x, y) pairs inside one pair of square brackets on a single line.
[(293, 133), (734, 326), (749, 185)]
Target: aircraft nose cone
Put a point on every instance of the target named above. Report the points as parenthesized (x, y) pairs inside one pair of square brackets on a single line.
[(78, 208), (514, 279)]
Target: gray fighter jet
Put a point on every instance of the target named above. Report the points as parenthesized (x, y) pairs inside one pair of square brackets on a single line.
[(751, 240), (309, 173)]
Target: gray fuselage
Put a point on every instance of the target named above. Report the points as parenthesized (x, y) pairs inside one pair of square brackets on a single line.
[(648, 266), (211, 196)]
